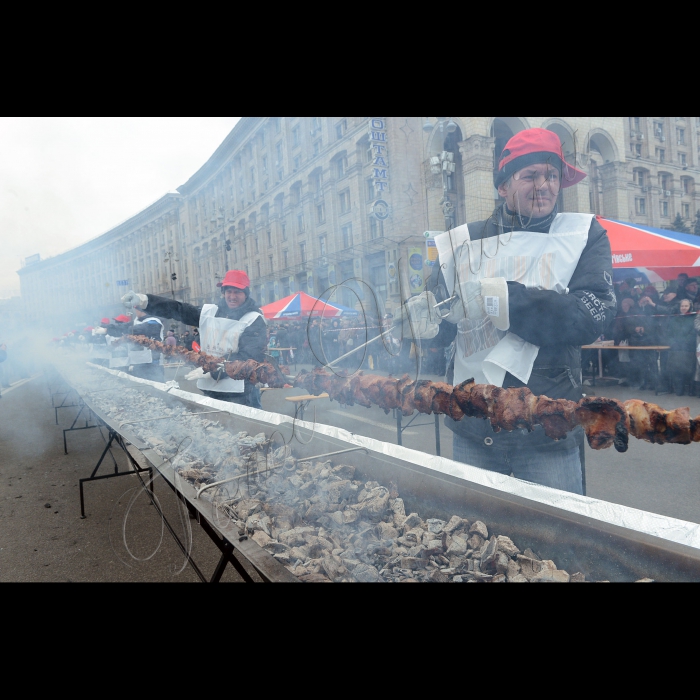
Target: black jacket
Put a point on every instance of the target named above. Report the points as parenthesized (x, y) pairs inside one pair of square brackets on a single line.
[(253, 342), (559, 324)]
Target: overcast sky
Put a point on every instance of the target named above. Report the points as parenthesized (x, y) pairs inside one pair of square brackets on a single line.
[(65, 180)]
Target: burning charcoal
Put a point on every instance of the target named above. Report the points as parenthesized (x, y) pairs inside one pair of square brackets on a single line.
[(513, 570), (438, 577), (301, 553), (436, 527), (345, 472), (366, 574), (435, 546), (552, 576), (647, 580), (494, 561), (499, 579), (374, 506), (454, 525), (314, 578), (578, 578), (518, 579), (277, 548), (387, 532), (478, 528), (458, 548), (413, 564), (258, 523), (350, 517), (531, 555), (333, 566), (529, 568), (262, 539), (505, 545), (247, 508), (476, 542), (482, 578), (411, 522)]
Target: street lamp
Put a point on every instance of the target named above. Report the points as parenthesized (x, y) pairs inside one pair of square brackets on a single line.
[(228, 246), (444, 164), (171, 258)]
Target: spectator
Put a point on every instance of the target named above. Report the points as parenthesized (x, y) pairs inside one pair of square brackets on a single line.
[(682, 337), (697, 364), (283, 342), (691, 292), (171, 340), (196, 338), (678, 287), (187, 340)]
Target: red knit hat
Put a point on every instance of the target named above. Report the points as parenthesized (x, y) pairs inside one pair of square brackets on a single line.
[(237, 279), (123, 319), (534, 147)]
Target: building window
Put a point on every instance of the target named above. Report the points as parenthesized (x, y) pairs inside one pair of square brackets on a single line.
[(345, 202), (641, 204), (323, 245), (300, 223), (302, 249), (347, 236), (269, 239), (285, 255), (376, 228), (284, 230), (296, 137), (321, 213), (297, 163), (341, 167), (341, 128), (664, 209)]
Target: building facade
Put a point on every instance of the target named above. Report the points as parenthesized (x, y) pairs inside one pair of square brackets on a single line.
[(339, 207)]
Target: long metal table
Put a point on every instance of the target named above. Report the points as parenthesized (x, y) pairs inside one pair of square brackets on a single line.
[(604, 541)]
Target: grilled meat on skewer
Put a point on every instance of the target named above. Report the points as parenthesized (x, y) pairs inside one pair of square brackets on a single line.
[(250, 370), (651, 423), (606, 423)]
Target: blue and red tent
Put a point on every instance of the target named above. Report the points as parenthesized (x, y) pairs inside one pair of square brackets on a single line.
[(302, 306), (657, 254)]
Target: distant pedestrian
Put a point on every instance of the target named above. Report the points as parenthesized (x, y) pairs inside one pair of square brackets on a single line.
[(171, 340)]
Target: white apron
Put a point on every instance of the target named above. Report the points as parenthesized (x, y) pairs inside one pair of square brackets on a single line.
[(537, 260), (115, 362), (220, 337), (143, 356)]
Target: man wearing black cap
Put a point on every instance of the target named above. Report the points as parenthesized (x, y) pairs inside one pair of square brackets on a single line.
[(235, 329), (527, 288)]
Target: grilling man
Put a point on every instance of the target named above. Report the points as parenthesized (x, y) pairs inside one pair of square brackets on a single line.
[(529, 287), (234, 329)]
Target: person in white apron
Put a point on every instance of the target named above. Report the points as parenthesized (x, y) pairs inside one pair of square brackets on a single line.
[(235, 329), (145, 363), (119, 354), (529, 287)]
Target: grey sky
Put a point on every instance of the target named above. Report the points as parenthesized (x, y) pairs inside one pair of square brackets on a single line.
[(65, 180)]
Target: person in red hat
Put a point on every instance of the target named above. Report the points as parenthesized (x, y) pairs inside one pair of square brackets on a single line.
[(235, 329), (525, 290)]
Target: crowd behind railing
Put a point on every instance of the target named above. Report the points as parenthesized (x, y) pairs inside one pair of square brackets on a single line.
[(648, 317)]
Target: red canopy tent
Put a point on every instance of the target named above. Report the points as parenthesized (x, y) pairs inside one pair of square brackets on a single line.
[(301, 305), (658, 254)]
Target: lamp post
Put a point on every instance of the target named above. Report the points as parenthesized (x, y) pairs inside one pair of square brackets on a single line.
[(171, 258), (444, 164), (227, 242)]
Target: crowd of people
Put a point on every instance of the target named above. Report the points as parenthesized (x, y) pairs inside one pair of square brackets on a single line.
[(648, 317)]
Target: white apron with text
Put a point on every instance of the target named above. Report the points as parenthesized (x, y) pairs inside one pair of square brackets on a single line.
[(144, 356), (220, 337), (544, 261)]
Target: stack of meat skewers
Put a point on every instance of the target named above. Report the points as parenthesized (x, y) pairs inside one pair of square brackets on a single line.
[(607, 422), (251, 371)]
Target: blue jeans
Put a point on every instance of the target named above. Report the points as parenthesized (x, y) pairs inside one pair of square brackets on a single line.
[(559, 469)]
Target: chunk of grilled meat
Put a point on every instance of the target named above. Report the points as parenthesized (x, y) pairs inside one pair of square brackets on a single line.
[(653, 424), (606, 423)]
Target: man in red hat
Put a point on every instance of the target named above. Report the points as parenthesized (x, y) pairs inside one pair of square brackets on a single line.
[(234, 329), (525, 290)]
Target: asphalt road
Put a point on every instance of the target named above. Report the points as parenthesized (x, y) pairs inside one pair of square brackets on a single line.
[(52, 544)]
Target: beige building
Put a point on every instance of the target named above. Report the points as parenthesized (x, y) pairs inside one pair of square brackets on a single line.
[(308, 203)]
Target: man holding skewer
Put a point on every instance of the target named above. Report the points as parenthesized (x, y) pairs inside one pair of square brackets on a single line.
[(234, 329), (526, 289)]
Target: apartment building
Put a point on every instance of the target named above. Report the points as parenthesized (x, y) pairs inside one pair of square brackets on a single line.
[(338, 206)]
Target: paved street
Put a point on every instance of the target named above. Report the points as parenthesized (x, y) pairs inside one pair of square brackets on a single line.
[(38, 543)]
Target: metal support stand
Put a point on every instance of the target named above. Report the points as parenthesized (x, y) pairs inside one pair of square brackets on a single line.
[(73, 429), (114, 438), (401, 429), (65, 405)]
